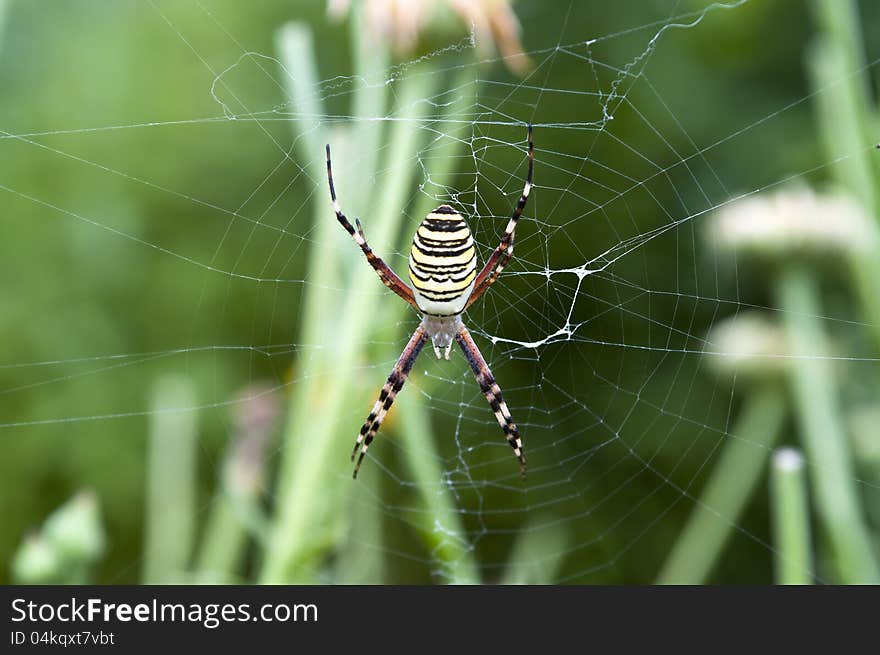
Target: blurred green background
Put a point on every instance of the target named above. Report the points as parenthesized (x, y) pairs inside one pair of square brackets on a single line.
[(188, 342)]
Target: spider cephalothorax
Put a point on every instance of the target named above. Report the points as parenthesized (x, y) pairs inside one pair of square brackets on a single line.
[(443, 272)]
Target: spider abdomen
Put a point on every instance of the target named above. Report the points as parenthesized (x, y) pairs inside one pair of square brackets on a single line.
[(442, 263)]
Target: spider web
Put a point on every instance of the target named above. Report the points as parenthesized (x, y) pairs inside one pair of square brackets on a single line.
[(597, 332)]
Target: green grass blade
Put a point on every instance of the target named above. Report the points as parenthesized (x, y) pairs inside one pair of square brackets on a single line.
[(844, 119), (538, 553), (727, 492), (441, 528), (821, 428), (317, 438), (171, 482), (791, 518), (236, 513)]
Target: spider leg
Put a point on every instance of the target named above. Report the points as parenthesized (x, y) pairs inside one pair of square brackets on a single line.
[(492, 391), (501, 255), (389, 278), (389, 392)]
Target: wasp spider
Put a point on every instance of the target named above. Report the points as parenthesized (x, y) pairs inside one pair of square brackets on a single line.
[(445, 282)]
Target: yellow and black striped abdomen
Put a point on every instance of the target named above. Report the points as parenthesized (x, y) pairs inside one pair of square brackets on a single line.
[(443, 263)]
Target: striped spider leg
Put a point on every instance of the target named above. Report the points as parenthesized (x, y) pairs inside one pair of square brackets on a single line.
[(492, 391), (445, 282), (389, 392), (389, 278)]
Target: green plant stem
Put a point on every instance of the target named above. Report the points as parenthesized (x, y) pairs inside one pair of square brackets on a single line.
[(171, 482), (314, 439), (361, 557), (236, 513), (866, 447), (371, 57), (294, 43), (444, 158), (442, 527), (821, 428), (442, 524), (538, 553), (295, 46), (235, 518), (4, 9), (732, 483), (841, 112), (791, 518), (839, 22), (223, 543), (844, 118)]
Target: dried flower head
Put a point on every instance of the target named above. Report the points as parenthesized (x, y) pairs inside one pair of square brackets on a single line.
[(401, 22), (256, 412)]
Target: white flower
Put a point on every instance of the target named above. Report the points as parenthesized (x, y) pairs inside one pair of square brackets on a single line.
[(795, 220), (747, 344)]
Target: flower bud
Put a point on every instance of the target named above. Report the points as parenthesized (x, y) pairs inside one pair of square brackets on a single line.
[(75, 530), (36, 562), (747, 344)]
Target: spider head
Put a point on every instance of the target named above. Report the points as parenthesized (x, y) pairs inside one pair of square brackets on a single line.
[(442, 330)]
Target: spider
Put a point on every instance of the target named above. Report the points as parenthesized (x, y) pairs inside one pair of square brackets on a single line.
[(445, 282)]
